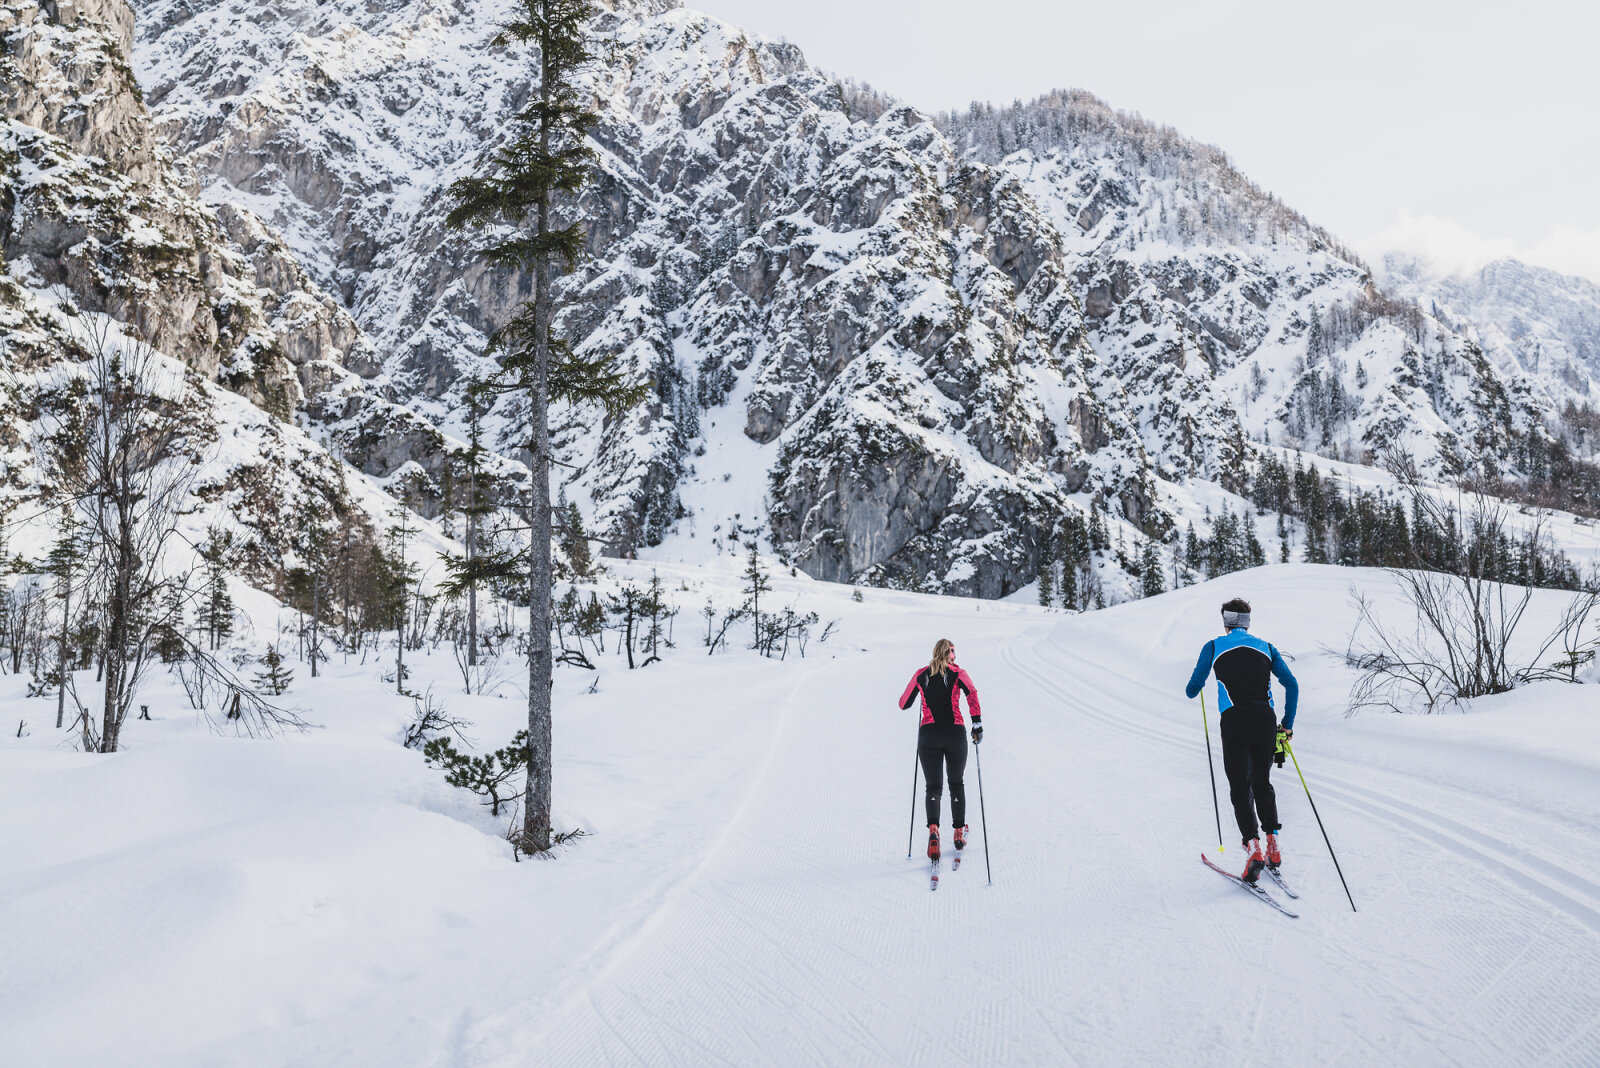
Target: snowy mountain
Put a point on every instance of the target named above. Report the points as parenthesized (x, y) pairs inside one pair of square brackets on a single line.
[(939, 334), (898, 348), (1218, 306), (1531, 320)]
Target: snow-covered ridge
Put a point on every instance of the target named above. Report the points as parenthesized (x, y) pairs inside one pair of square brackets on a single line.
[(1530, 320)]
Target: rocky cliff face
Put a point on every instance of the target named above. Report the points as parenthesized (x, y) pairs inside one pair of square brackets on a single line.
[(98, 219), (92, 201), (1227, 315), (896, 326)]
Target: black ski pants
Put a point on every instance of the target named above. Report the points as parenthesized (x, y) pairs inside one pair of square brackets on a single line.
[(944, 744), (1249, 738)]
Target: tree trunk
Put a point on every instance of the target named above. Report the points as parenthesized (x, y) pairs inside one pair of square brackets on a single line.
[(316, 608), (61, 661), (472, 555), (536, 809), (117, 643)]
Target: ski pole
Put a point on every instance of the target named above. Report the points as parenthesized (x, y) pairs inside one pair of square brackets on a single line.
[(1320, 827), (1212, 768), (977, 751), (912, 829)]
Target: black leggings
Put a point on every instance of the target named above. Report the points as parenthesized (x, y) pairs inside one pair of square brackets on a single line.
[(1249, 737), (944, 744)]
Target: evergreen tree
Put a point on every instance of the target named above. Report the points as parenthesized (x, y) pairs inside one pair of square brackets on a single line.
[(1150, 578), (488, 775), (474, 569), (655, 607), (66, 562), (399, 580), (273, 678), (545, 156), (170, 646), (756, 583), (314, 540), (215, 615), (574, 540), (628, 603)]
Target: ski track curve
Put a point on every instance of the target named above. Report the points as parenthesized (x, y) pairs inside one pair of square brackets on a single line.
[(1511, 863), (1513, 866)]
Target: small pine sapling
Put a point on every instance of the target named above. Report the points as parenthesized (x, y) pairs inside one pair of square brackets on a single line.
[(273, 678), (490, 775)]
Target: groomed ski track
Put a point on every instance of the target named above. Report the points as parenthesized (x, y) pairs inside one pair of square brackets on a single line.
[(744, 897), (804, 936)]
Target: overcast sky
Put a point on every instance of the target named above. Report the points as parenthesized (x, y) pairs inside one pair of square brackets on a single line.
[(1466, 130)]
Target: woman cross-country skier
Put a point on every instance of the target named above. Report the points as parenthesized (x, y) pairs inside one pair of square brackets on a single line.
[(1244, 666), (941, 739)]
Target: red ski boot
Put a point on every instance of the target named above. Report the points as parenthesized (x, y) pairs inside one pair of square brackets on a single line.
[(933, 841), (1274, 858), (961, 837), (1254, 862)]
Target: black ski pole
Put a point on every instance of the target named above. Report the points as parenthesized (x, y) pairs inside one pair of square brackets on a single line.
[(1212, 768), (977, 751), (1320, 827), (912, 829)]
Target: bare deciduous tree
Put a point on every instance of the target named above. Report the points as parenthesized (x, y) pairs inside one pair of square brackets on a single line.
[(117, 445)]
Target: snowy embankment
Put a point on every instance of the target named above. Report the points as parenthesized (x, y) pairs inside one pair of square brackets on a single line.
[(743, 895)]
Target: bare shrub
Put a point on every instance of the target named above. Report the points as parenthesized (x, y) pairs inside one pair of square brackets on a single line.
[(1459, 643), (431, 718)]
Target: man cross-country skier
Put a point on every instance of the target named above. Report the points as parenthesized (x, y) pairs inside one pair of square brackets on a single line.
[(941, 740), (1244, 666)]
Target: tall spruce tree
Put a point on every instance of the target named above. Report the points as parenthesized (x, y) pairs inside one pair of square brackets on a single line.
[(215, 614), (546, 157), (756, 583), (1151, 583), (400, 578), (315, 543)]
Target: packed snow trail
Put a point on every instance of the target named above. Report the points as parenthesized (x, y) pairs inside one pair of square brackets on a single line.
[(803, 938), (745, 897)]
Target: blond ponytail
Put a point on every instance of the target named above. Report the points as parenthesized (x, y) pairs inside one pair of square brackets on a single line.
[(943, 652)]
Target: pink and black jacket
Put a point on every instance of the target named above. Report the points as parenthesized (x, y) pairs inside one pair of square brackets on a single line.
[(940, 701)]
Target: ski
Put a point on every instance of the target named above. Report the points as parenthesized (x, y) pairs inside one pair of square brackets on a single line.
[(955, 865), (1278, 878), (1251, 888), (933, 869)]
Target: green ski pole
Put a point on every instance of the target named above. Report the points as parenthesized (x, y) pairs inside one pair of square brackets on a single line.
[(1320, 827)]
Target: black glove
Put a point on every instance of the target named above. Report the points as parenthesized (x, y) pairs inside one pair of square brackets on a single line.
[(977, 733), (1284, 734)]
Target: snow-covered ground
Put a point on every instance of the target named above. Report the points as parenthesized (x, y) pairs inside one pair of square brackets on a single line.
[(743, 896)]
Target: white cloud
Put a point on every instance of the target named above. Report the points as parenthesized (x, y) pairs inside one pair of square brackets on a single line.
[(1452, 248), (1567, 249)]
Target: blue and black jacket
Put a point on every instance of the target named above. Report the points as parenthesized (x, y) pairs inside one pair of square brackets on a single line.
[(1244, 666)]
